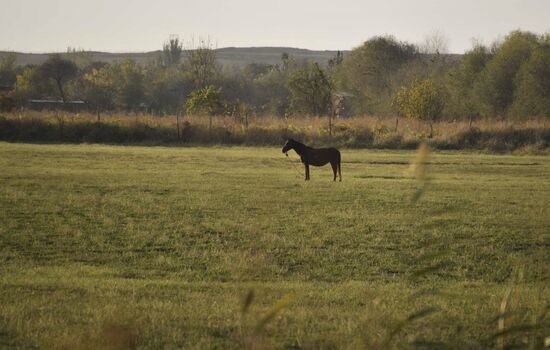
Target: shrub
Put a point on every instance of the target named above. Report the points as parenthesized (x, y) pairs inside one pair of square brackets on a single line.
[(352, 134), (502, 140), (7, 102), (423, 100)]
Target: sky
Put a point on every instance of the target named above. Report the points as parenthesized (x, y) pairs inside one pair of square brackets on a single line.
[(143, 25)]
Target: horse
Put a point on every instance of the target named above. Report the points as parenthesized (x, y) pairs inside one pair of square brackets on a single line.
[(315, 156)]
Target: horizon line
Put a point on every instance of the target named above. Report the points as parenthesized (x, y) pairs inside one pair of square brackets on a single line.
[(160, 50)]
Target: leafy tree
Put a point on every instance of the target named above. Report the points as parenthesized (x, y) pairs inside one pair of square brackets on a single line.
[(7, 101), (129, 84), (367, 73), (335, 68), (7, 79), (496, 88), (30, 84), (310, 91), (99, 89), (79, 57), (239, 110), (25, 85), (60, 71), (285, 61), (532, 96), (271, 94), (463, 100), (236, 84), (255, 70), (423, 100), (206, 101), (400, 100), (336, 60), (167, 89), (263, 86), (172, 51), (8, 70)]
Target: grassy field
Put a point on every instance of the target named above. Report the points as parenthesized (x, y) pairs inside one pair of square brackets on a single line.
[(156, 247)]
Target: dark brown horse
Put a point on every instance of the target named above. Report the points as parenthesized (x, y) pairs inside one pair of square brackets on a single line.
[(315, 156)]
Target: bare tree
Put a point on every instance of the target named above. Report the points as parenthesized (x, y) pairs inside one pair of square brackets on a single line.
[(201, 62), (435, 43), (79, 56)]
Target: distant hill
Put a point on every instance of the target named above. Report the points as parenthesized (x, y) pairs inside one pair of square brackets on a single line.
[(227, 56), (239, 56)]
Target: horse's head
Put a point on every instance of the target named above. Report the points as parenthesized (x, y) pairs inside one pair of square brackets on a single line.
[(288, 145)]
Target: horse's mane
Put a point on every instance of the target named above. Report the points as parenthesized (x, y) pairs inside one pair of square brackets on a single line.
[(298, 146)]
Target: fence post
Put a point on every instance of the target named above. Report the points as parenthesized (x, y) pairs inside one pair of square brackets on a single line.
[(61, 123), (330, 124)]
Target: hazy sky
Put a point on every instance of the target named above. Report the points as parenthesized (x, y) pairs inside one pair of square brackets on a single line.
[(140, 25)]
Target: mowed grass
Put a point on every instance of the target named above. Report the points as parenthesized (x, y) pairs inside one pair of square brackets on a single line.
[(105, 246)]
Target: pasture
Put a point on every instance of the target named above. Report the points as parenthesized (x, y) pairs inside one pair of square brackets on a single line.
[(228, 247)]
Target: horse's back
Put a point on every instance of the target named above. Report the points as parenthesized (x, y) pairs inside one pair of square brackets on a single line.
[(332, 151), (322, 156)]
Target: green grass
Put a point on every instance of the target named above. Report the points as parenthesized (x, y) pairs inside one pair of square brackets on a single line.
[(159, 247)]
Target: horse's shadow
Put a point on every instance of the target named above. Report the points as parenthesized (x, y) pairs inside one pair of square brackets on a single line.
[(385, 177)]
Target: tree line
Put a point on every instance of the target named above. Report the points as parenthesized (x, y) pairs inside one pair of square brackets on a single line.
[(382, 77)]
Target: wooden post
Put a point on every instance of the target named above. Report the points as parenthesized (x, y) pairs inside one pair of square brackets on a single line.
[(330, 124), (396, 123), (61, 123), (335, 112), (98, 116)]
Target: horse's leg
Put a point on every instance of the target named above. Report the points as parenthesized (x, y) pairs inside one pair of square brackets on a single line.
[(334, 166), (339, 170), (307, 171)]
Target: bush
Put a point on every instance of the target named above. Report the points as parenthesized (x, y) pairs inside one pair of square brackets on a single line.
[(502, 140), (393, 141), (363, 138), (33, 129), (7, 102), (423, 100)]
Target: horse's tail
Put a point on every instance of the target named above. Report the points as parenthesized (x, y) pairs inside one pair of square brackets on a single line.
[(339, 165)]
